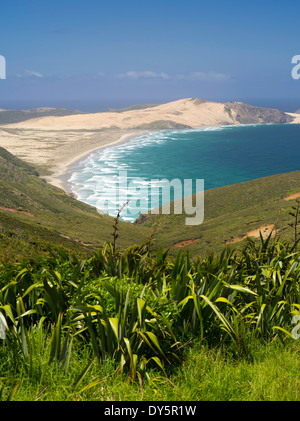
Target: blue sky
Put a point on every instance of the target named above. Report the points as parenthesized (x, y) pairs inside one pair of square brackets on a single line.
[(97, 54)]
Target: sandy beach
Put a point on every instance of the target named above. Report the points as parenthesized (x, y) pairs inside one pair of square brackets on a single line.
[(59, 178), (55, 151)]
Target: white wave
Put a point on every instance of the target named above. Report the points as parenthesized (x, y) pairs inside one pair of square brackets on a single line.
[(97, 175)]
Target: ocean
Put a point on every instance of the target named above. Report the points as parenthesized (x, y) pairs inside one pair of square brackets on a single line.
[(220, 156)]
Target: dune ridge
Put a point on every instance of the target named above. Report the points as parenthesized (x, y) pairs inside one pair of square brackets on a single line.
[(189, 112)]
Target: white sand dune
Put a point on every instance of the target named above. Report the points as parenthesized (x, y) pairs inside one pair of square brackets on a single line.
[(190, 112)]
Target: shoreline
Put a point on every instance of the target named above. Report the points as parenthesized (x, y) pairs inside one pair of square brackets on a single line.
[(60, 177)]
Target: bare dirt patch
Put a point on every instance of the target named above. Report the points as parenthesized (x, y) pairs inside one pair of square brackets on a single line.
[(292, 196), (265, 231), (186, 242), (76, 239), (16, 210)]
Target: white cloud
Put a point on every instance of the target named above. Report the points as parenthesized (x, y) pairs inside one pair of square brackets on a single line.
[(33, 73), (148, 74), (197, 76)]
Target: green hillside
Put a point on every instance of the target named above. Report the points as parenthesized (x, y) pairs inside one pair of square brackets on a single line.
[(131, 108), (230, 212), (35, 215), (16, 116)]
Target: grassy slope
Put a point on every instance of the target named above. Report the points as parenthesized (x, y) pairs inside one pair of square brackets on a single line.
[(57, 218), (131, 108), (230, 212), (206, 375), (15, 116)]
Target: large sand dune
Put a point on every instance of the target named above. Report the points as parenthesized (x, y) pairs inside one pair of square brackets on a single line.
[(191, 112)]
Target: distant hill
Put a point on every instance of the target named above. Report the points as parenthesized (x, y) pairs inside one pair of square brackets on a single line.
[(35, 215), (17, 116), (248, 114), (184, 113)]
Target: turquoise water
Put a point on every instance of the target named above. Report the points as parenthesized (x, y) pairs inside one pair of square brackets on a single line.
[(220, 155)]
